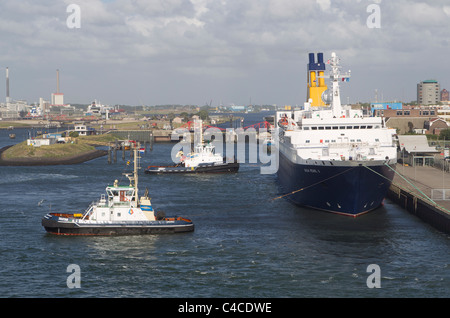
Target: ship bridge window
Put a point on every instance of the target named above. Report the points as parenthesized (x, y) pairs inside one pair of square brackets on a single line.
[(321, 128), (349, 127), (369, 127), (307, 141), (113, 193), (305, 128), (341, 127), (358, 140), (363, 127), (327, 141), (377, 140), (328, 128), (335, 127), (355, 127), (314, 128)]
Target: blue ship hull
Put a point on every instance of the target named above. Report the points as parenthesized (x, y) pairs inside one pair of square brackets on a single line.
[(349, 190)]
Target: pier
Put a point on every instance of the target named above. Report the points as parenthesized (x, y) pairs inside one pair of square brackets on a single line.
[(425, 192)]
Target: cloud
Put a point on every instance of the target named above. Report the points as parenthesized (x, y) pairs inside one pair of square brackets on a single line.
[(203, 42), (324, 4)]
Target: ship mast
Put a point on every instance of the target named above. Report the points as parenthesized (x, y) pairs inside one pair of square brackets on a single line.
[(136, 199), (336, 76)]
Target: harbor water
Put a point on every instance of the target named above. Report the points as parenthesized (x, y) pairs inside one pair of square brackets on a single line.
[(246, 243)]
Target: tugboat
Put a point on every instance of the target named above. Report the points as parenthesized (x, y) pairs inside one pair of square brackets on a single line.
[(120, 212), (202, 160)]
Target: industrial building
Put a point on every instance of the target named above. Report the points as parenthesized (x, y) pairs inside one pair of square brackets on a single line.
[(57, 99), (428, 92), (415, 151), (444, 95), (377, 109)]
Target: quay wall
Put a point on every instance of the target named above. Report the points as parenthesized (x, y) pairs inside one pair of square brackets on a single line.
[(422, 208)]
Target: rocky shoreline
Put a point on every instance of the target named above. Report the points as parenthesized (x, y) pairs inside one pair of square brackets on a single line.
[(93, 154)]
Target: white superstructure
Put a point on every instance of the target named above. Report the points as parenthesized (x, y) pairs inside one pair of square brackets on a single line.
[(334, 134)]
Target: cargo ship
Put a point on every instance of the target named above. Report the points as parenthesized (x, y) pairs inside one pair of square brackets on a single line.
[(332, 157), (119, 212)]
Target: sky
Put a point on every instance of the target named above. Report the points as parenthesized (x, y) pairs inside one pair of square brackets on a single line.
[(219, 52)]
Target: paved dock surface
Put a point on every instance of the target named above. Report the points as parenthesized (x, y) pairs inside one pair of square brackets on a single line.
[(425, 180)]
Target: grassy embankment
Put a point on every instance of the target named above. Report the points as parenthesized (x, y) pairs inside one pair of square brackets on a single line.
[(79, 146)]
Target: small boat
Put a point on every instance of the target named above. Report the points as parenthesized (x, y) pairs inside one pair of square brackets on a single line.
[(12, 136), (119, 212), (203, 159)]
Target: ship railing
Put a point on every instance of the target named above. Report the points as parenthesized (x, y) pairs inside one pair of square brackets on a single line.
[(350, 144), (338, 145), (87, 213)]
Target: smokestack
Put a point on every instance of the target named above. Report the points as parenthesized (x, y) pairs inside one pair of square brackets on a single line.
[(7, 85), (57, 81)]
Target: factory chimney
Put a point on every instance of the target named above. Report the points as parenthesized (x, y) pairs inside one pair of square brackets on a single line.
[(7, 86), (57, 81)]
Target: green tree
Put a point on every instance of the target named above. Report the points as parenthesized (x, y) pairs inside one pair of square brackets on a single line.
[(203, 114), (185, 116), (445, 134)]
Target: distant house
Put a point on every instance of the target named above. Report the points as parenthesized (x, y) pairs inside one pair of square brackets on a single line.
[(407, 120), (177, 120), (435, 125), (84, 130), (38, 142), (415, 151), (46, 140)]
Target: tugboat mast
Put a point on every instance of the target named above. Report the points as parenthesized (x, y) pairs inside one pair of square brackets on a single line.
[(136, 199)]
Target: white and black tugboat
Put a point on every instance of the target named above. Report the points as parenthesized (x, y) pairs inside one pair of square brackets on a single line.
[(203, 159), (120, 212)]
